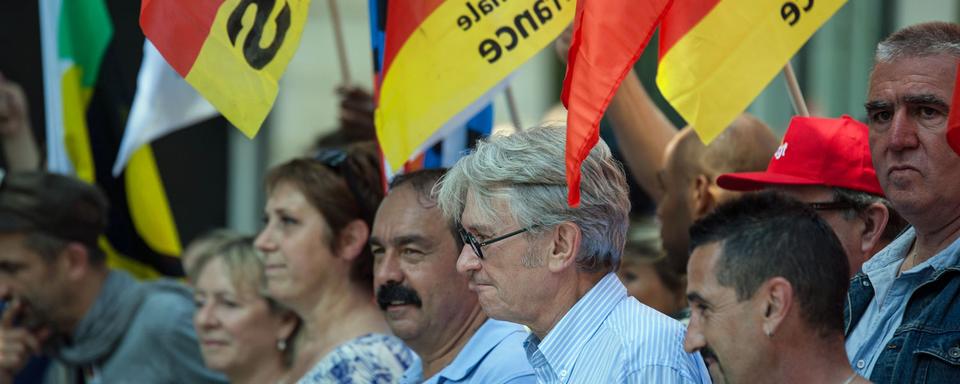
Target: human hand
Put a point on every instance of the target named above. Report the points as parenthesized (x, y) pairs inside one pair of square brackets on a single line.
[(17, 344), (13, 108)]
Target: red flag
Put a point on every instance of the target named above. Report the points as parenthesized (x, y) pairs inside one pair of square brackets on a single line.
[(608, 37), (953, 122)]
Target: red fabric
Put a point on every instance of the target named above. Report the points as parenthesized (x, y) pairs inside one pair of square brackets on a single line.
[(816, 151), (178, 28), (403, 17), (953, 122), (683, 16), (608, 37)]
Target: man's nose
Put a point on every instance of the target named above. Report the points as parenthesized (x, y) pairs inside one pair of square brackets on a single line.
[(903, 131), (387, 269), (694, 340), (468, 260)]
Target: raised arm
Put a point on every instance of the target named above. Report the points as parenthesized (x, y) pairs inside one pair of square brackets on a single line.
[(642, 130), (19, 146)]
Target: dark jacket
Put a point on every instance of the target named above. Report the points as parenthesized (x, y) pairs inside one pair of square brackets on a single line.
[(925, 348)]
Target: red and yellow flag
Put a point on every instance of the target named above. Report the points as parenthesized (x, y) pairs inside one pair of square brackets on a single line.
[(717, 55), (953, 122), (232, 51), (608, 37), (443, 60)]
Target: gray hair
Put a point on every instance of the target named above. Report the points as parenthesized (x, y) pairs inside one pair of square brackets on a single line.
[(919, 40), (527, 170), (860, 201)]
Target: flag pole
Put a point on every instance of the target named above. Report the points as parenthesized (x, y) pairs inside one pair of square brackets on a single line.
[(796, 97), (512, 107), (338, 36)]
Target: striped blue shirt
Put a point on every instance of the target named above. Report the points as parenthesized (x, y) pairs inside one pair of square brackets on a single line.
[(609, 337)]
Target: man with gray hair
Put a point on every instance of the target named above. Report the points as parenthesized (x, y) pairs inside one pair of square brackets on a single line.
[(534, 260), (903, 315)]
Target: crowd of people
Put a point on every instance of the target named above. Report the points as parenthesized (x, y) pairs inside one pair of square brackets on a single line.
[(829, 256)]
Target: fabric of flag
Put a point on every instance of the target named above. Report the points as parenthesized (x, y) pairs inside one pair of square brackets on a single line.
[(444, 60), (442, 152), (232, 51), (608, 37), (83, 121), (716, 56), (953, 122), (164, 103)]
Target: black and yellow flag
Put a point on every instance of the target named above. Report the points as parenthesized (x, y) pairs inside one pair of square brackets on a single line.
[(86, 112)]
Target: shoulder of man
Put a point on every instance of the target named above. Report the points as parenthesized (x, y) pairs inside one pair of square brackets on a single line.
[(164, 321), (507, 361), (646, 336)]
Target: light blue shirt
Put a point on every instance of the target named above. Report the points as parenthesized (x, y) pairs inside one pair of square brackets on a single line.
[(890, 296), (494, 354), (609, 337)]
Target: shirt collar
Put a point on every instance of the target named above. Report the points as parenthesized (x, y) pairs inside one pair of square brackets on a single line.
[(883, 268), (487, 337), (563, 343)]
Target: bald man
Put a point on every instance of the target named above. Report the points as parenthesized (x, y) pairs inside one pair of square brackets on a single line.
[(687, 177)]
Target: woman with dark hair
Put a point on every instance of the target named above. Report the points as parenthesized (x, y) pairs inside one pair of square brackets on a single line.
[(318, 218), (242, 333)]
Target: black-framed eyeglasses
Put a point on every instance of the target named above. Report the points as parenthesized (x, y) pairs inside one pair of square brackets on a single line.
[(477, 245), (831, 205)]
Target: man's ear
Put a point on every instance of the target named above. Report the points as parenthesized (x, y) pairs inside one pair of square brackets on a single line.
[(875, 219), (776, 302), (704, 196), (564, 247), (74, 260), (353, 238)]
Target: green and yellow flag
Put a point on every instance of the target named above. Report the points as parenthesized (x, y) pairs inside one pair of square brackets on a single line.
[(142, 237)]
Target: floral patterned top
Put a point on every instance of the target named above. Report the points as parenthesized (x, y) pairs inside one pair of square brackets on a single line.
[(374, 358)]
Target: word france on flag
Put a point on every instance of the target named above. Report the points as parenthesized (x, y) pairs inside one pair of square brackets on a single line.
[(232, 51), (443, 60)]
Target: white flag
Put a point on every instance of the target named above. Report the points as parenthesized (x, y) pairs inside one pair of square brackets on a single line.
[(164, 103)]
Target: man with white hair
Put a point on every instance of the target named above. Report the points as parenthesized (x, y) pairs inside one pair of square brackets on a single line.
[(534, 260), (903, 312)]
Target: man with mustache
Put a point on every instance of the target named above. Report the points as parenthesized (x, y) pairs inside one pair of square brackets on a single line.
[(535, 260), (98, 325), (903, 320), (427, 304), (766, 281)]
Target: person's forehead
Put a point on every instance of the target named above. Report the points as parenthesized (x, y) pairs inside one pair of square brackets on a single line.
[(215, 275), (701, 269), (474, 218), (13, 248), (917, 75), (407, 215), (286, 195)]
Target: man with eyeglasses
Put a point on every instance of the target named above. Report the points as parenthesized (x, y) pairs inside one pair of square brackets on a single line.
[(826, 163), (534, 260)]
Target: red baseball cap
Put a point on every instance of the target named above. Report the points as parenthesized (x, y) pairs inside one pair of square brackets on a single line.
[(816, 151)]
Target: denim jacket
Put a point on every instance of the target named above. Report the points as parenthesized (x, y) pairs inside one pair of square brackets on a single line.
[(925, 348)]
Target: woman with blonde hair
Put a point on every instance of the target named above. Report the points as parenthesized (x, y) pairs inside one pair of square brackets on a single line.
[(242, 333)]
